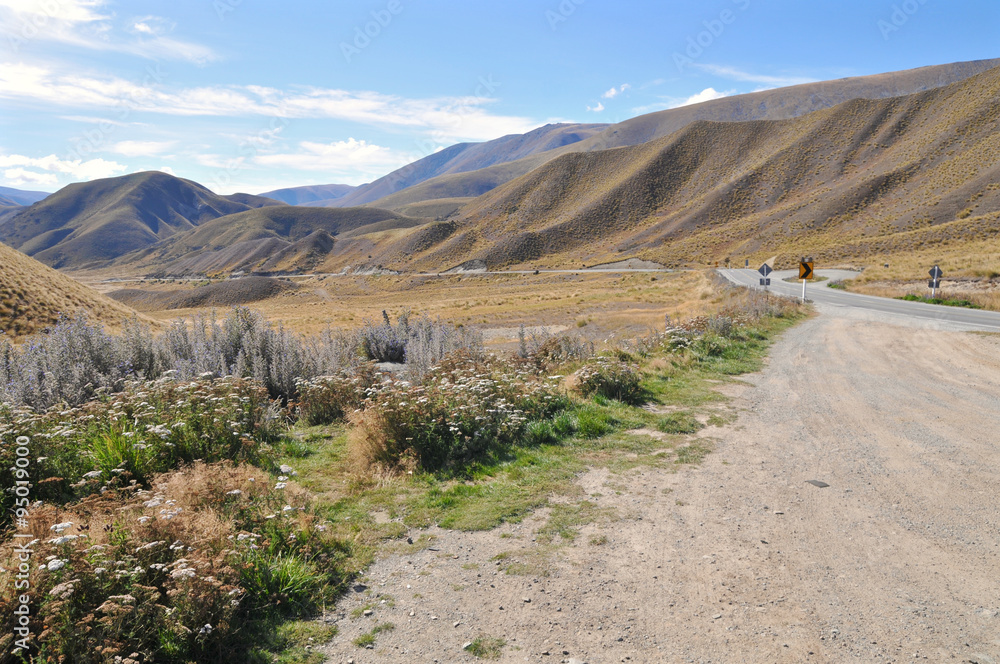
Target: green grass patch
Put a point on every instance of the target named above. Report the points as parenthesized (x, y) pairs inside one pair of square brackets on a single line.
[(693, 453), (565, 520), (486, 647), (945, 302), (679, 422), (368, 638)]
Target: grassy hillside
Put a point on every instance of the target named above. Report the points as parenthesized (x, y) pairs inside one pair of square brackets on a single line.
[(32, 296), (465, 157), (93, 222), (9, 211), (278, 238), (782, 103), (253, 201), (865, 178)]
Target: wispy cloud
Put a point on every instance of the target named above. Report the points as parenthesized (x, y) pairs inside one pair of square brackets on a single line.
[(87, 24), (734, 74), (67, 11), (444, 118), (20, 170), (596, 109)]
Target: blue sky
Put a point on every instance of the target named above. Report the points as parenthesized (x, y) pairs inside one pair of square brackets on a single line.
[(248, 95)]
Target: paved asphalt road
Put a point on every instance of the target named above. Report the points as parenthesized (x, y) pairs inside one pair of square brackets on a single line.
[(820, 294)]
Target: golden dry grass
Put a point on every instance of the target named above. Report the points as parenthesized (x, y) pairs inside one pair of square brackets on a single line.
[(593, 303), (32, 296)]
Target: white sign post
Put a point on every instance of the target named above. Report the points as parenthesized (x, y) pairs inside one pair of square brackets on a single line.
[(935, 282)]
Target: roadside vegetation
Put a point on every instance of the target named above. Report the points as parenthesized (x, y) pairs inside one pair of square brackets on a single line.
[(943, 301), (199, 495), (975, 294)]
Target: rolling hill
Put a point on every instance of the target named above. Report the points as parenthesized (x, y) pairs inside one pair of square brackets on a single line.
[(92, 222), (317, 193), (33, 295), (222, 294), (781, 103), (867, 176), (21, 196), (269, 239)]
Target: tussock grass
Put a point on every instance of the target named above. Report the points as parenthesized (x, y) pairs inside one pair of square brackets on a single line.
[(34, 297)]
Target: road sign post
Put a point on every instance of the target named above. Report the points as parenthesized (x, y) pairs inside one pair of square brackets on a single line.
[(805, 273), (935, 281), (765, 270)]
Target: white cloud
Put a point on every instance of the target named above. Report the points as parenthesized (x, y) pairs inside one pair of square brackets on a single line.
[(46, 170), (82, 24), (614, 92), (444, 119), (167, 170), (142, 148), (596, 109), (152, 25), (708, 94), (19, 177), (737, 75)]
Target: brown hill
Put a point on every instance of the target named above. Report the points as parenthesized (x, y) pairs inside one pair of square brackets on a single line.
[(464, 157), (781, 103), (866, 176), (93, 222), (271, 239), (229, 293), (32, 296)]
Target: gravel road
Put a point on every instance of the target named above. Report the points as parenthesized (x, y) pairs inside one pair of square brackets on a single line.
[(741, 559)]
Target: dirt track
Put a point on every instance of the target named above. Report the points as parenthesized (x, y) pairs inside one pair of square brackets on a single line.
[(742, 560)]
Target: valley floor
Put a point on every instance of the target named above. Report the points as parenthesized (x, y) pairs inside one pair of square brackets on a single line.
[(741, 559)]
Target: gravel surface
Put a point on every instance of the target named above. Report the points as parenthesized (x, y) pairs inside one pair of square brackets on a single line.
[(744, 558)]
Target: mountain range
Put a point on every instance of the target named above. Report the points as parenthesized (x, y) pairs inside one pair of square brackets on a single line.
[(464, 171), (841, 168), (93, 222)]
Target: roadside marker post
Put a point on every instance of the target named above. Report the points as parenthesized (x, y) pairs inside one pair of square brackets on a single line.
[(805, 274), (935, 281), (765, 270)]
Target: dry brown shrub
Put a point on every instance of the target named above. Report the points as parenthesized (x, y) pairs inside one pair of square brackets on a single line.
[(372, 455)]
